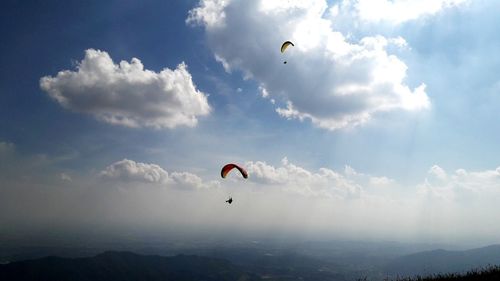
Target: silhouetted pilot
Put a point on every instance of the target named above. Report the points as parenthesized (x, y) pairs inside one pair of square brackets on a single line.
[(230, 200)]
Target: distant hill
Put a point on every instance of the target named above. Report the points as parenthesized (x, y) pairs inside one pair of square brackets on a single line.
[(245, 264), (124, 266), (442, 261)]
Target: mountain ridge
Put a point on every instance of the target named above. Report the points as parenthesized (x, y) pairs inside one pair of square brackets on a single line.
[(124, 266), (444, 261)]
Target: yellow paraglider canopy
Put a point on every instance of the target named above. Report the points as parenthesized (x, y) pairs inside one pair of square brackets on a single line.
[(285, 45)]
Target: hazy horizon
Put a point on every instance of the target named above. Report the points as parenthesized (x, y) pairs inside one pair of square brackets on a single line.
[(117, 117)]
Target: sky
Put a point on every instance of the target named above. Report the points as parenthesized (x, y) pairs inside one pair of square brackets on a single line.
[(116, 118)]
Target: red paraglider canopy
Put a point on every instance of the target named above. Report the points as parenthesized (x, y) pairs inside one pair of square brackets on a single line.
[(228, 167)]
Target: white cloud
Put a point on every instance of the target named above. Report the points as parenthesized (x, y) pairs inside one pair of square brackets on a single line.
[(192, 181), (6, 147), (263, 92), (346, 184), (460, 185), (210, 12), (438, 172), (280, 198), (393, 11), (368, 180), (127, 94), (65, 177), (323, 183), (130, 171), (328, 80), (381, 181)]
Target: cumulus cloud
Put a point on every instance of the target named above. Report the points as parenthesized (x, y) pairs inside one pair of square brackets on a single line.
[(189, 180), (460, 185), (392, 11), (324, 182), (6, 147), (346, 184), (210, 12), (368, 180), (329, 80), (130, 171), (127, 94), (7, 151), (381, 181), (65, 177), (438, 172), (282, 198)]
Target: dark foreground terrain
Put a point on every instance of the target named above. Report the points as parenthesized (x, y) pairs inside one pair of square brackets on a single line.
[(492, 273), (124, 266), (311, 261)]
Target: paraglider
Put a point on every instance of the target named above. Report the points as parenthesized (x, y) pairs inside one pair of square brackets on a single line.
[(225, 171), (228, 167), (285, 45)]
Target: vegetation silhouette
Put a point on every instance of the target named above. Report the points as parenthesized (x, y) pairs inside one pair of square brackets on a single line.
[(482, 274)]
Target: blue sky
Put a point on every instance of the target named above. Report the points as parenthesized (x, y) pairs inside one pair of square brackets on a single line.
[(391, 106)]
